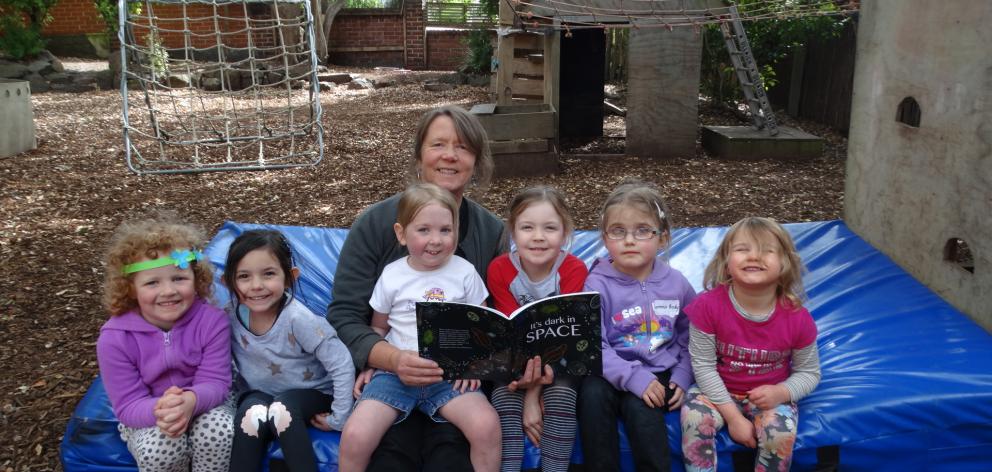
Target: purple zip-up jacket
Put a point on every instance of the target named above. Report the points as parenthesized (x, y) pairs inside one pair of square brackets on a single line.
[(645, 329), (138, 361)]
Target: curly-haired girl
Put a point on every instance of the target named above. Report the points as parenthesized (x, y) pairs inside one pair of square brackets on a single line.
[(165, 353)]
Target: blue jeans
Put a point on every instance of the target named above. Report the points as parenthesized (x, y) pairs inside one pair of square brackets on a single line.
[(386, 387)]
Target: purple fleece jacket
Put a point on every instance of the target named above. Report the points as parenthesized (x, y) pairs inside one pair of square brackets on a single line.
[(645, 329), (138, 361)]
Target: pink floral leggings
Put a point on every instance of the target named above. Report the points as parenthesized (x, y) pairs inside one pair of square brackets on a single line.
[(775, 430)]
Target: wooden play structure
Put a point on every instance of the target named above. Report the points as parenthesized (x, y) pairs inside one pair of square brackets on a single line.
[(547, 82), (522, 124)]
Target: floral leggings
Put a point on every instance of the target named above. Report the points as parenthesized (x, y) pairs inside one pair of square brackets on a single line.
[(775, 430)]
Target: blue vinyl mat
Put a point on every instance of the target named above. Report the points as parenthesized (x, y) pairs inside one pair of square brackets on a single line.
[(907, 379)]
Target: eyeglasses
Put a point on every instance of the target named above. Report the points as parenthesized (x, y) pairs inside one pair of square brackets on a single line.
[(618, 233)]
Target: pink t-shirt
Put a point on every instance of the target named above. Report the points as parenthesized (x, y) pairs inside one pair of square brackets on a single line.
[(750, 354)]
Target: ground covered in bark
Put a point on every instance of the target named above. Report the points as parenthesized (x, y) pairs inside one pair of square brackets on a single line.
[(61, 202)]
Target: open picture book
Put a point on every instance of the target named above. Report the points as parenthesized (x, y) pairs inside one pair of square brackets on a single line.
[(477, 342)]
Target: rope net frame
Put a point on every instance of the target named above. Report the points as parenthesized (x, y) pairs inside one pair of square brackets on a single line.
[(563, 15), (215, 85)]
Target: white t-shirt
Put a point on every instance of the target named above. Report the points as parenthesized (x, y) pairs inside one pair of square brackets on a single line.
[(400, 287)]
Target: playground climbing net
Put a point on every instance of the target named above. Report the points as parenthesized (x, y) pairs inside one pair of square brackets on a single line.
[(608, 14), (213, 85)]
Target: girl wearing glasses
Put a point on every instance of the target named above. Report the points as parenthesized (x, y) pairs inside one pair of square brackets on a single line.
[(646, 367)]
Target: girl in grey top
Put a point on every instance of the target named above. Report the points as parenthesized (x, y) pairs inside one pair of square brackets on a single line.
[(292, 370)]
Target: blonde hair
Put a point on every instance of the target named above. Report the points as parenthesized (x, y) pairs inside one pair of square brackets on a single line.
[(538, 194), (470, 133), (790, 282), (419, 195), (149, 238)]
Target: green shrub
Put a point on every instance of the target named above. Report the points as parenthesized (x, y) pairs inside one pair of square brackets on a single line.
[(20, 39), (479, 58), (771, 40)]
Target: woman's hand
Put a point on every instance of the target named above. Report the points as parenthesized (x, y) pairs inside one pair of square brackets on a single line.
[(319, 420), (414, 370), (533, 416), (678, 395), (364, 377), (532, 376), (767, 397), (742, 431), (466, 385)]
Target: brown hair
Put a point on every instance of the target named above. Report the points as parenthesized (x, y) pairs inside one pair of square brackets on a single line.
[(149, 238), (538, 194), (790, 282), (419, 195), (643, 196), (470, 133)]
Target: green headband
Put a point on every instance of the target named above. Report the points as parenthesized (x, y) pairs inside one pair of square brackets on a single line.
[(178, 257)]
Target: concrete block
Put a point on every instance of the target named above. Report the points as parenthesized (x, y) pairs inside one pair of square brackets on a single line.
[(745, 142), (16, 118), (922, 193)]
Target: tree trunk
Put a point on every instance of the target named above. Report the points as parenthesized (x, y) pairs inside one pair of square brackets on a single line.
[(320, 40), (331, 9), (289, 36)]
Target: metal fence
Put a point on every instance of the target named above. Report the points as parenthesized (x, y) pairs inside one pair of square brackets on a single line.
[(458, 15)]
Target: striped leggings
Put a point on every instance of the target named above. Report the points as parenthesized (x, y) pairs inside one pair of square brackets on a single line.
[(557, 435)]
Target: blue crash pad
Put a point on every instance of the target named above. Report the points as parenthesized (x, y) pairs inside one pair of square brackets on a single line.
[(904, 383)]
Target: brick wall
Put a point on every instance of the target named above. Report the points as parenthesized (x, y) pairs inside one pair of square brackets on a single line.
[(358, 37), (446, 48), (372, 37), (367, 38), (74, 17), (77, 17), (416, 24)]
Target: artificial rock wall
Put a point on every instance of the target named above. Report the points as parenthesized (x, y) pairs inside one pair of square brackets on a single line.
[(918, 192)]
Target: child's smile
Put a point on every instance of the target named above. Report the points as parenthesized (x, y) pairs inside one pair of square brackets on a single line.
[(429, 237), (260, 282), (754, 261), (539, 234)]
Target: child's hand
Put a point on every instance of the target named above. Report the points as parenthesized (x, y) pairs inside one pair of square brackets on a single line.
[(533, 416), (654, 395), (363, 379), (767, 397), (319, 421), (467, 385), (742, 431), (174, 410), (675, 402), (532, 377), (165, 410)]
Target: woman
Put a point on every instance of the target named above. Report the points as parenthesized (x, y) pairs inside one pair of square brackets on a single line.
[(451, 150)]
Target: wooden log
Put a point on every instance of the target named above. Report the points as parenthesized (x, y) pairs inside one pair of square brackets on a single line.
[(522, 86), (519, 146), (524, 66), (517, 121)]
